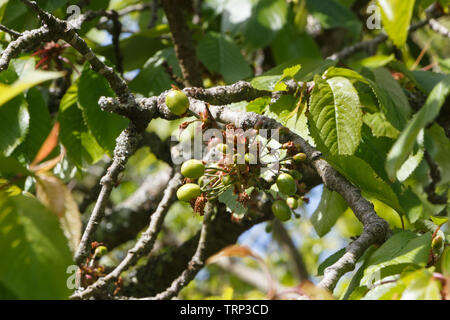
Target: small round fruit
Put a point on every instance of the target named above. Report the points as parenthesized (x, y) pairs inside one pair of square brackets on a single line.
[(300, 157), (188, 192), (436, 244), (281, 210), (297, 175), (226, 180), (177, 102), (193, 169), (100, 251), (286, 184), (292, 203)]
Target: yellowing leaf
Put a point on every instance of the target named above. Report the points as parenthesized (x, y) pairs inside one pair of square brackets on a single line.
[(30, 79), (234, 251), (57, 197)]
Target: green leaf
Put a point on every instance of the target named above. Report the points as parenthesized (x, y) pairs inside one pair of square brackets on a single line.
[(274, 82), (290, 45), (258, 21), (137, 48), (265, 82), (401, 250), (220, 54), (396, 17), (329, 261), (330, 208), (40, 124), (35, 255), (153, 78), (438, 146), (405, 143), (26, 81), (10, 168), (373, 150), (306, 73), (380, 126), (345, 73), (392, 99), (332, 14), (336, 114), (440, 221), (230, 200), (258, 105), (373, 62), (17, 16), (14, 123), (80, 145), (422, 287), (365, 178), (105, 127), (445, 262)]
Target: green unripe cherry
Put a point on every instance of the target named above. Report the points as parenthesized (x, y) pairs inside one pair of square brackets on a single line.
[(100, 251), (299, 157), (292, 203), (281, 210), (177, 102), (436, 244), (188, 192), (286, 184), (226, 180), (193, 169)]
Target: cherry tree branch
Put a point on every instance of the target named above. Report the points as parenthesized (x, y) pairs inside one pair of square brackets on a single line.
[(182, 41), (144, 244), (197, 262), (370, 44), (376, 230), (11, 32), (286, 242)]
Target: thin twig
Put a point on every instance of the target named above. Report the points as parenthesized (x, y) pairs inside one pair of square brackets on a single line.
[(197, 262), (11, 32), (144, 244)]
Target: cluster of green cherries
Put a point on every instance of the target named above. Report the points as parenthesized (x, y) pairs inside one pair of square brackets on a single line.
[(218, 181), (213, 181)]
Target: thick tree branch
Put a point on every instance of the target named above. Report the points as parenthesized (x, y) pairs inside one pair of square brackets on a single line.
[(284, 239), (183, 43), (28, 39), (197, 262)]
